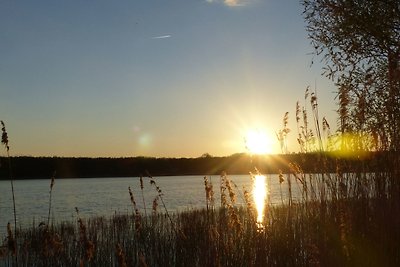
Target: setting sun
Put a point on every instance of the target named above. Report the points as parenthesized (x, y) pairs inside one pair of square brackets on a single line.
[(258, 142)]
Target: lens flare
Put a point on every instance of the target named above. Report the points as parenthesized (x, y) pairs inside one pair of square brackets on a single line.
[(259, 197)]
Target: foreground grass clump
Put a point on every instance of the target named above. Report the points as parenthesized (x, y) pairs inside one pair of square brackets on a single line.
[(347, 232), (346, 218)]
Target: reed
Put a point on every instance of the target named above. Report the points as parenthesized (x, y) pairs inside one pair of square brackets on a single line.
[(340, 219), (348, 230), (4, 141), (141, 190), (137, 215), (50, 195), (87, 246), (208, 187), (121, 256), (159, 197)]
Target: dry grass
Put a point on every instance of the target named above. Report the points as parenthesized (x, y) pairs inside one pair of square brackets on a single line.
[(352, 224)]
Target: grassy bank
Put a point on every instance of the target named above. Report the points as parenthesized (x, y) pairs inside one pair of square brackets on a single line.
[(342, 220)]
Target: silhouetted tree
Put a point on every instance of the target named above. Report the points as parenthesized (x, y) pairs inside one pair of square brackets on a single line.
[(359, 41)]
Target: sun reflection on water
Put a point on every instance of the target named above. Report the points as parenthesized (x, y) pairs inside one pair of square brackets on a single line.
[(259, 196)]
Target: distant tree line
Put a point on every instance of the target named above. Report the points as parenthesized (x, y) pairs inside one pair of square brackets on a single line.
[(44, 167)]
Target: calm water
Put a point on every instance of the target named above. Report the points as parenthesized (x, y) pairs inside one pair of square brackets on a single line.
[(107, 196)]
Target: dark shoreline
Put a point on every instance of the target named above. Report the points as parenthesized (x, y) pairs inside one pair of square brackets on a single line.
[(44, 167)]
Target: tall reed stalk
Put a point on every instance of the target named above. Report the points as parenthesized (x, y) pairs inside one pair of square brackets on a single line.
[(144, 202), (160, 196), (4, 141), (50, 195)]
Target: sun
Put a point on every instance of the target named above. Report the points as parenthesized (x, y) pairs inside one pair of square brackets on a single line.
[(258, 142)]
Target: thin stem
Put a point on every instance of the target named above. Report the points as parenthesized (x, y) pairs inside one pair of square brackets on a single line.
[(50, 194), (144, 202), (4, 140), (153, 182)]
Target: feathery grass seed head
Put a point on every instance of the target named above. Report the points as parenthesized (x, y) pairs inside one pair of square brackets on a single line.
[(11, 243)]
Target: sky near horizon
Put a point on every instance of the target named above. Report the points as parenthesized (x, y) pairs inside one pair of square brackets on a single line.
[(175, 78)]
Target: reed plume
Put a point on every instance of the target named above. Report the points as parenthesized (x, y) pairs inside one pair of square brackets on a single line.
[(282, 134), (226, 185), (314, 106), (209, 193), (222, 189), (4, 136), (120, 256), (160, 197), (249, 203), (155, 205), (86, 244), (138, 217), (11, 241), (281, 180), (231, 192)]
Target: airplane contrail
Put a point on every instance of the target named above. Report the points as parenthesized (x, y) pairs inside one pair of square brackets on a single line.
[(161, 37)]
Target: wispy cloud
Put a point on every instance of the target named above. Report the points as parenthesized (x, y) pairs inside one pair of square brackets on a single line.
[(161, 36), (231, 3), (234, 3)]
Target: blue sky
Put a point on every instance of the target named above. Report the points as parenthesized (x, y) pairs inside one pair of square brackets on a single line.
[(154, 78)]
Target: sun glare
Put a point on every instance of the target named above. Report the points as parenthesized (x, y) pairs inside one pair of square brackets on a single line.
[(258, 142), (259, 197)]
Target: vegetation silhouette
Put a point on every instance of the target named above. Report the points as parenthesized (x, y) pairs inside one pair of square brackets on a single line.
[(315, 162), (349, 210)]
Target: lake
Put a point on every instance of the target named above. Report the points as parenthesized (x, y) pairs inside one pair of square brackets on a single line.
[(108, 196)]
